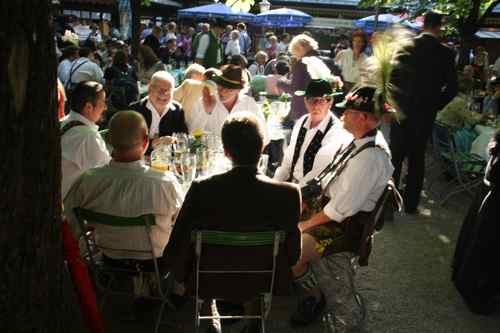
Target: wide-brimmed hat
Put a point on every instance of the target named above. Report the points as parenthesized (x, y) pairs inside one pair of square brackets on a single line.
[(317, 88), (232, 77), (364, 99)]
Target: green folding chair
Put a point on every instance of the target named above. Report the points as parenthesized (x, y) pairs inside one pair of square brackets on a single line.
[(204, 238), (105, 275)]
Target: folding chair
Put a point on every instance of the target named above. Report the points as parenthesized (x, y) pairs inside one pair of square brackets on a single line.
[(466, 169), (105, 275), (205, 238)]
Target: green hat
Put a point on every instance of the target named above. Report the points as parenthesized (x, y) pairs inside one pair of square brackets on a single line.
[(317, 88)]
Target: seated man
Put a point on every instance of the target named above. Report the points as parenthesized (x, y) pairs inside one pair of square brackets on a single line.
[(236, 207), (82, 147), (315, 137), (210, 112), (163, 115), (126, 187), (360, 179)]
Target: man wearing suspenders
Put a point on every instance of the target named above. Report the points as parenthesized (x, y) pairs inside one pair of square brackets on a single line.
[(359, 174), (314, 136), (82, 147)]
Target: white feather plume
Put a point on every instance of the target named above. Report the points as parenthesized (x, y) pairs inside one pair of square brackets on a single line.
[(317, 68)]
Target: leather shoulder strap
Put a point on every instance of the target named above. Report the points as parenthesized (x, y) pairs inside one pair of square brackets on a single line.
[(70, 125)]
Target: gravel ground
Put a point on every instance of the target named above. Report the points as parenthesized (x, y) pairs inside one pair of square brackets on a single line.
[(406, 287)]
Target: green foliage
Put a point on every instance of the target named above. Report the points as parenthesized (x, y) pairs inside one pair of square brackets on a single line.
[(145, 2)]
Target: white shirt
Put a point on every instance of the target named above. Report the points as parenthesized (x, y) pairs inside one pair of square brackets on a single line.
[(361, 183), (213, 122), (82, 148), (203, 44), (336, 137), (282, 47), (351, 68), (256, 69), (89, 71), (63, 70), (128, 190), (154, 129), (233, 47), (83, 32)]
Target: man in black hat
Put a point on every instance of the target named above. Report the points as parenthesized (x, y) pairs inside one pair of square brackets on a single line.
[(211, 111), (315, 137), (427, 81), (336, 231)]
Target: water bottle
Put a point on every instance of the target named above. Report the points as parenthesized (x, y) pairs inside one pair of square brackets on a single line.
[(328, 323)]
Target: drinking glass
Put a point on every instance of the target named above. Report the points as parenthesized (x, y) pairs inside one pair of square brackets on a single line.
[(187, 168), (160, 159)]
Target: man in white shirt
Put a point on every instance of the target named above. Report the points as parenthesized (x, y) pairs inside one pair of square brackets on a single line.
[(84, 69), (315, 138), (210, 112), (127, 187), (362, 173), (209, 51), (82, 147), (70, 54)]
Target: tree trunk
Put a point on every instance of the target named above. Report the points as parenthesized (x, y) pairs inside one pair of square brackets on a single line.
[(35, 295)]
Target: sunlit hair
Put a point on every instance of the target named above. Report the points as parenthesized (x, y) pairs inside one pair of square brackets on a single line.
[(163, 76), (194, 69), (304, 41)]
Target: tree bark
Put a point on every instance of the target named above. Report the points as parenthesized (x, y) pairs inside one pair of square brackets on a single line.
[(34, 293)]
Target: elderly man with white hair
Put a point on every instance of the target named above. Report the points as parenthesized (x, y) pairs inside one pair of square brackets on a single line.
[(163, 115)]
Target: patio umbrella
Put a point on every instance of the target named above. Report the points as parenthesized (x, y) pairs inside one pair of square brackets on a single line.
[(217, 10), (283, 18), (384, 21)]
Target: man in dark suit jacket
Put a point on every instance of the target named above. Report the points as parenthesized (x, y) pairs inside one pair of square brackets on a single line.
[(153, 40), (241, 199), (427, 80), (163, 115)]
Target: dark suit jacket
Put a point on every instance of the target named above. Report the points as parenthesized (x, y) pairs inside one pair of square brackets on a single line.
[(426, 78), (239, 200), (173, 122), (153, 43)]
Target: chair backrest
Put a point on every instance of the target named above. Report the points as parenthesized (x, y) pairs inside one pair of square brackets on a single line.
[(374, 222), (203, 239), (87, 217)]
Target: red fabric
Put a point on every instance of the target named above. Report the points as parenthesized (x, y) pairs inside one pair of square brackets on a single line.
[(61, 99), (81, 281)]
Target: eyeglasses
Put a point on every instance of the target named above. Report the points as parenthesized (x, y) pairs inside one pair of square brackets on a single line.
[(314, 100), (162, 91)]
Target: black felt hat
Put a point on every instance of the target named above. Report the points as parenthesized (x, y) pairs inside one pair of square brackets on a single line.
[(317, 88), (364, 99)]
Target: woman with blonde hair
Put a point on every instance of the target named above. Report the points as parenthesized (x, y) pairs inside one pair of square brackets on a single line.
[(148, 64)]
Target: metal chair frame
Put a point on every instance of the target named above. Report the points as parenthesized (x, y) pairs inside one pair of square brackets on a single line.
[(445, 151), (86, 217), (237, 239)]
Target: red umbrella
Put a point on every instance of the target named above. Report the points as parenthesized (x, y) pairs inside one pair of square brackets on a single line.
[(81, 280)]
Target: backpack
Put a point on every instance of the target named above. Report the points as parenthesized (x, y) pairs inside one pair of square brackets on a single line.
[(123, 89)]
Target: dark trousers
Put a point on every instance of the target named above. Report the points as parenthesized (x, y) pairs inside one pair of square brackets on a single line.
[(409, 140)]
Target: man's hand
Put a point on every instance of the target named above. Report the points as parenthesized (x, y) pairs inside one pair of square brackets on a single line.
[(303, 226), (163, 140), (208, 101)]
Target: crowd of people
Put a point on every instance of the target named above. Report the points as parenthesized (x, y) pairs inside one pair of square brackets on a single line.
[(337, 108)]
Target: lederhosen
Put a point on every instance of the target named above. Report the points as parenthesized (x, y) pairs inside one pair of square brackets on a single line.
[(334, 237), (312, 149)]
